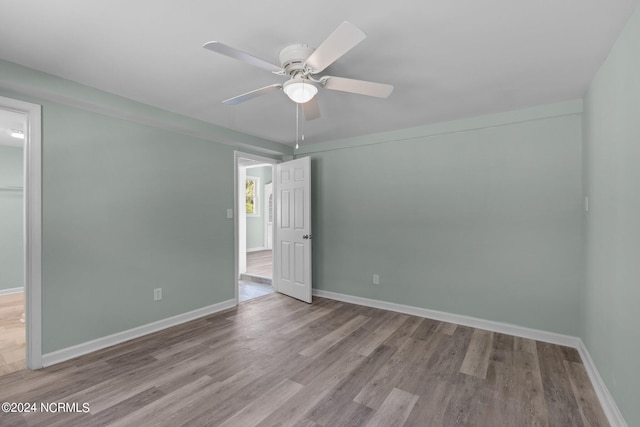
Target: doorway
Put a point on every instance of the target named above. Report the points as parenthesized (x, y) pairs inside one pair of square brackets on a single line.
[(290, 209), (20, 240), (12, 305), (254, 242)]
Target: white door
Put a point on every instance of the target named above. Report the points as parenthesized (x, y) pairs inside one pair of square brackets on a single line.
[(292, 248)]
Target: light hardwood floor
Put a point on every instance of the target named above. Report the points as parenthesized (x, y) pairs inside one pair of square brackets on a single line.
[(12, 333), (249, 290), (257, 280), (259, 263), (275, 361)]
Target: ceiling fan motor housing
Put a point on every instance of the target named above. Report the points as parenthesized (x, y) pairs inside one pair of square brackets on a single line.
[(292, 58)]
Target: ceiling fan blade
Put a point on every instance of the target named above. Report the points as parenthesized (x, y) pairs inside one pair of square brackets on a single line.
[(241, 56), (253, 94), (361, 87), (311, 109), (341, 41)]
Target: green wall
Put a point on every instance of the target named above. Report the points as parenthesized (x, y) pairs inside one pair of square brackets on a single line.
[(129, 205), (482, 219), (612, 159), (11, 225), (128, 208)]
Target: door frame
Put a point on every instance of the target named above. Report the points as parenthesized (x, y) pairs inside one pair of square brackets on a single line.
[(237, 207), (32, 231), (266, 214)]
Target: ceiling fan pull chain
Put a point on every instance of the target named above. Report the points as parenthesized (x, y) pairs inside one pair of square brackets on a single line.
[(297, 121)]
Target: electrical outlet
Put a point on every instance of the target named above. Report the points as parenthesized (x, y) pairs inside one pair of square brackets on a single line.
[(157, 294), (376, 279), (229, 213)]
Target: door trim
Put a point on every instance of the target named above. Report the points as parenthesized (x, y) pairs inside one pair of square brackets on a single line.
[(268, 192), (32, 153), (237, 155)]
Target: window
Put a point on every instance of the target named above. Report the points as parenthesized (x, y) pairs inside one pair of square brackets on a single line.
[(253, 196)]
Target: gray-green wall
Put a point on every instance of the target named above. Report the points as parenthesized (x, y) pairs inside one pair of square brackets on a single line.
[(255, 224), (484, 222), (128, 208), (11, 222), (612, 147)]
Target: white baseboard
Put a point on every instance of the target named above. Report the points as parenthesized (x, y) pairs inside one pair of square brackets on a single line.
[(474, 322), (606, 400), (262, 248), (120, 337), (11, 291)]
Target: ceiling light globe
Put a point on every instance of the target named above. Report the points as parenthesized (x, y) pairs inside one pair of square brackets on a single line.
[(17, 134), (300, 90)]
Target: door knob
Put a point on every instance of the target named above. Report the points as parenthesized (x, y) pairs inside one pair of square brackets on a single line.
[(307, 236)]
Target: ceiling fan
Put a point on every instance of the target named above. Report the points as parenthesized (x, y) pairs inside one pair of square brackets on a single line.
[(302, 64)]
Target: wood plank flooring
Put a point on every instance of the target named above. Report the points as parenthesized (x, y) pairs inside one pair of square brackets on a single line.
[(12, 333), (257, 280), (275, 361), (249, 290), (259, 263)]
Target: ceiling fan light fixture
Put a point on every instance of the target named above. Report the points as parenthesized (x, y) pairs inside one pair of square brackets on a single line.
[(17, 134), (300, 90)]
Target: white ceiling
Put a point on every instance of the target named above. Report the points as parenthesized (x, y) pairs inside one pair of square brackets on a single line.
[(447, 59)]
